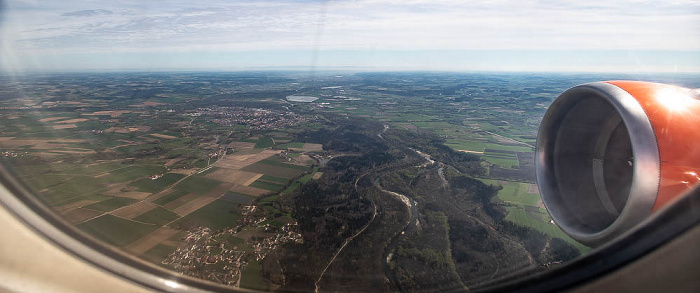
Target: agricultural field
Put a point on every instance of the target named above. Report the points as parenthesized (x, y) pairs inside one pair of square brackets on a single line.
[(115, 230), (111, 204), (197, 185), (140, 188), (239, 198), (158, 253), (159, 163), (158, 216), (264, 142), (216, 215), (170, 196), (519, 193), (158, 184), (266, 185), (525, 208), (252, 277)]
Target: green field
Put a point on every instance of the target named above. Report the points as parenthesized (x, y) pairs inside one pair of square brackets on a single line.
[(197, 184), (493, 182), (285, 165), (274, 179), (111, 204), (73, 189), (534, 220), (275, 171), (501, 161), (476, 146), (266, 185), (159, 252), (525, 213), (516, 192), (273, 223), (292, 145), (170, 197), (93, 169), (116, 231), (230, 241), (39, 182), (134, 172), (217, 215), (502, 147), (297, 183), (158, 216), (210, 170), (157, 185), (252, 277), (291, 187), (238, 197), (264, 142), (512, 156)]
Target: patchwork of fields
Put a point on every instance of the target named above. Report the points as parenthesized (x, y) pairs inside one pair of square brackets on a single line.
[(158, 164), (524, 205), (171, 201), (144, 206)]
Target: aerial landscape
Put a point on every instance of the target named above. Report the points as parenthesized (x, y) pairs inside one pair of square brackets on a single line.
[(325, 181), (311, 146)]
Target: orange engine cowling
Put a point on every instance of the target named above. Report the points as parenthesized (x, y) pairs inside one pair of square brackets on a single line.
[(611, 153)]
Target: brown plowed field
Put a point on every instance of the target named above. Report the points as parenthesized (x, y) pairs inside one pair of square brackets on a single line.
[(219, 190), (273, 170), (180, 201), (252, 179), (134, 210), (313, 147), (78, 215), (64, 126), (533, 189), (151, 240), (183, 171), (135, 194), (237, 162), (232, 176), (113, 114), (248, 190), (158, 135), (77, 120), (51, 144), (193, 205), (160, 194), (241, 145), (51, 119), (70, 206)]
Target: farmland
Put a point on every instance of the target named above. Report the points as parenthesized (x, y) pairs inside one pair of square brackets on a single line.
[(115, 230), (174, 166), (145, 188)]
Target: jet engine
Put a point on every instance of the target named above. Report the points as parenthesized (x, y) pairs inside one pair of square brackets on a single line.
[(609, 154)]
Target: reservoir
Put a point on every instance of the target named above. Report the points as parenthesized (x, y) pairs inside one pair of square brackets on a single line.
[(303, 99)]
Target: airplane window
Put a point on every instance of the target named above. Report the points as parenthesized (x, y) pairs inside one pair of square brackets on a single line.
[(361, 146)]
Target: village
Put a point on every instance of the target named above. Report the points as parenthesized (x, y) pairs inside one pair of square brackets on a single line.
[(213, 256), (257, 119)]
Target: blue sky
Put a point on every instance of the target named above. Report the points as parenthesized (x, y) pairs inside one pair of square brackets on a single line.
[(598, 36)]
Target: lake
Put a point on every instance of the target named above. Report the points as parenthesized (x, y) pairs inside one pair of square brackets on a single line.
[(303, 99)]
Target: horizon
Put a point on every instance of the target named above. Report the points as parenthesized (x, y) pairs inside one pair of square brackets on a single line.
[(312, 71), (386, 35)]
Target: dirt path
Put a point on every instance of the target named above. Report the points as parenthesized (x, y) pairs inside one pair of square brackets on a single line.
[(374, 214)]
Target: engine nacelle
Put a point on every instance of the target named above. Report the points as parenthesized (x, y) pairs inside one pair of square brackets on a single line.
[(609, 154)]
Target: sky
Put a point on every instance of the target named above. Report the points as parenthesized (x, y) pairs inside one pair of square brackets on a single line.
[(482, 35)]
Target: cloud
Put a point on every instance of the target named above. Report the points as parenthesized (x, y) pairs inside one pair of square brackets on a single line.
[(85, 13), (57, 27)]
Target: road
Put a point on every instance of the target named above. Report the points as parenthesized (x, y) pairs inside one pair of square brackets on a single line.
[(347, 240)]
